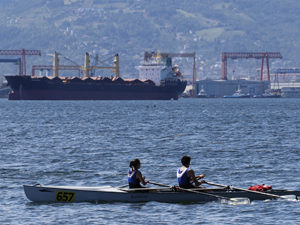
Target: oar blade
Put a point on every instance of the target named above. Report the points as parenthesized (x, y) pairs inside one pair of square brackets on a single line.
[(236, 201), (292, 198)]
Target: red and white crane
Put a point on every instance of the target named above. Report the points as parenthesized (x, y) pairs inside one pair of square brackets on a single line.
[(247, 55), (23, 53)]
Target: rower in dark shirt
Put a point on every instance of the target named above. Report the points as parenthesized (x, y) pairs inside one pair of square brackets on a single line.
[(185, 175), (135, 176)]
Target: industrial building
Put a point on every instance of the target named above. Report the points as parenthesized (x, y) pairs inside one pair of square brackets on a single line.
[(219, 88)]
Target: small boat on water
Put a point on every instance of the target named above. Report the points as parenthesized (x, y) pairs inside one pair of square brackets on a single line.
[(4, 90), (269, 94), (272, 94), (202, 93), (238, 94), (168, 194)]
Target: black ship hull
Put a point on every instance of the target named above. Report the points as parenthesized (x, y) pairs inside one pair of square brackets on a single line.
[(45, 88)]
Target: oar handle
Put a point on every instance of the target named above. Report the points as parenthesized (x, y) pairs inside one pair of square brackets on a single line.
[(219, 185), (163, 185)]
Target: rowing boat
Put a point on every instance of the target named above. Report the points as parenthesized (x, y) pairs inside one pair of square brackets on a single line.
[(40, 193)]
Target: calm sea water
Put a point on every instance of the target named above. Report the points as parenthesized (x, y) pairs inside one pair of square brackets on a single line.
[(241, 142)]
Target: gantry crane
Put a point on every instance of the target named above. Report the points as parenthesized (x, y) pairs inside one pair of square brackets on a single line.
[(15, 61), (247, 55), (23, 53), (283, 71)]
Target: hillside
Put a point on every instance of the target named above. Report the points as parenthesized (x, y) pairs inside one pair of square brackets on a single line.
[(129, 27)]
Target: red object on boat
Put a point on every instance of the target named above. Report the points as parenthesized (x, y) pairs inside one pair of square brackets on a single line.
[(260, 187)]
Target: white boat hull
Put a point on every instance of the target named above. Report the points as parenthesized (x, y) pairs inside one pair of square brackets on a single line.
[(105, 194), (110, 194)]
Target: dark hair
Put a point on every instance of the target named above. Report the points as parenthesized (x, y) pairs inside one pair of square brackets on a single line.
[(185, 160), (134, 163)]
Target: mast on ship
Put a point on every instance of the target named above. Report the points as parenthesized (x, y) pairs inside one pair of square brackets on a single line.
[(87, 65), (87, 68), (55, 64), (115, 68), (158, 56)]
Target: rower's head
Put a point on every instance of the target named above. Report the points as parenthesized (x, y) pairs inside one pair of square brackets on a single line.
[(136, 164), (185, 160)]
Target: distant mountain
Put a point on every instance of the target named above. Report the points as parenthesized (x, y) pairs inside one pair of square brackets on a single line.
[(128, 27)]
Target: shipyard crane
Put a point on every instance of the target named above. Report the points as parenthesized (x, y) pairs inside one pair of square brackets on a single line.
[(247, 55), (283, 71), (148, 55), (23, 53), (15, 61)]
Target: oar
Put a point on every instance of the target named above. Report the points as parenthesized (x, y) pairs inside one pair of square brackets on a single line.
[(123, 186), (143, 189), (241, 189), (202, 193)]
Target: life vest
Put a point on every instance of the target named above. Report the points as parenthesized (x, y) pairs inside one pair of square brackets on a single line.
[(132, 181), (260, 187), (132, 176), (182, 177)]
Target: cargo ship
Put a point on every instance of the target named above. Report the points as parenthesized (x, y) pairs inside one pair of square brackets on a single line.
[(158, 81)]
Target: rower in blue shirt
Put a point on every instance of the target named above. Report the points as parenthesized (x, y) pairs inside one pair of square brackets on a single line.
[(135, 176), (186, 176)]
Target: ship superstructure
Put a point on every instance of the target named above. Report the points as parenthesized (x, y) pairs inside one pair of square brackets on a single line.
[(158, 70)]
